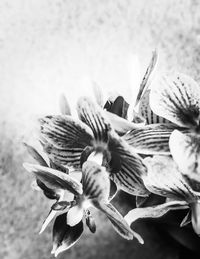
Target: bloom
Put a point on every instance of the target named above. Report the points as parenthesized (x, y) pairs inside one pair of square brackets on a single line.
[(71, 142), (93, 191), (164, 178)]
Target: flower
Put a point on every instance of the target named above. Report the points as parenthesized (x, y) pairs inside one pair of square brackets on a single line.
[(164, 178), (172, 102), (71, 142), (92, 192)]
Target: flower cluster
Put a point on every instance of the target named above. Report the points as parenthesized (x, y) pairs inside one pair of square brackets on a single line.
[(101, 152)]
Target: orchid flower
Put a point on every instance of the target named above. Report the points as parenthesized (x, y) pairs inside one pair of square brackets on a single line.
[(165, 179), (171, 103), (92, 192), (71, 142)]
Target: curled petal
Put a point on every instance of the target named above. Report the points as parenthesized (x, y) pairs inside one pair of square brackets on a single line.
[(65, 236), (118, 107), (165, 179), (128, 175), (92, 114), (48, 192), (74, 215), (64, 138), (154, 211), (148, 75), (177, 99), (118, 222), (151, 139), (185, 150), (120, 125), (96, 182), (55, 179), (146, 111), (186, 220), (35, 154), (64, 105)]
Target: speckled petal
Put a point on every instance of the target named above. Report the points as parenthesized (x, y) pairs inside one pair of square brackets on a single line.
[(55, 179), (65, 236), (165, 179), (176, 98), (64, 138), (154, 211), (93, 115), (185, 149)]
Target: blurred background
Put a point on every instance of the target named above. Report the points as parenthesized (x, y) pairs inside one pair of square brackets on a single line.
[(49, 47)]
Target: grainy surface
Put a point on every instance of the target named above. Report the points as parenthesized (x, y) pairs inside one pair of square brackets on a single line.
[(52, 46)]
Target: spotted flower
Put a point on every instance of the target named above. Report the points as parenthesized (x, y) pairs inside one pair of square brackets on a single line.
[(165, 179), (93, 191), (71, 142), (172, 102)]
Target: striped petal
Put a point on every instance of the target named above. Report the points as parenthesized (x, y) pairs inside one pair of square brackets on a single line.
[(154, 211), (65, 236), (64, 105), (185, 150), (127, 173), (150, 139), (177, 99), (165, 179), (147, 77), (92, 114), (118, 222), (64, 138), (96, 182), (120, 125), (55, 179), (146, 111)]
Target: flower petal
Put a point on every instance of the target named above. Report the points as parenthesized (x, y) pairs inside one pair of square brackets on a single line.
[(35, 154), (118, 222), (55, 179), (154, 211), (74, 215), (65, 236), (150, 139), (196, 217), (64, 138), (120, 125), (128, 175), (148, 74), (177, 99), (48, 219), (64, 105), (118, 107), (96, 182), (92, 114), (186, 220), (164, 178), (146, 111), (185, 150), (90, 221)]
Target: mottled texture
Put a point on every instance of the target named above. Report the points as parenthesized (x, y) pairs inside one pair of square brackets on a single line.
[(53, 46)]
